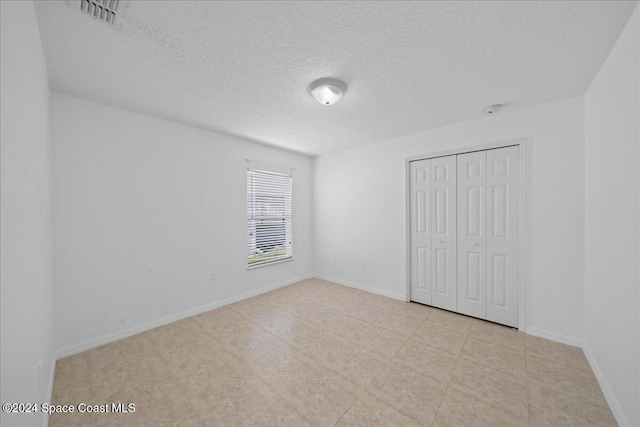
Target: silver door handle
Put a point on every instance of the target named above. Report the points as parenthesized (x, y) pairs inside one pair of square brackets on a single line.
[(475, 244)]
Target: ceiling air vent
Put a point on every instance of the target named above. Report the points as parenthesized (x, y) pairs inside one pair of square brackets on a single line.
[(104, 10)]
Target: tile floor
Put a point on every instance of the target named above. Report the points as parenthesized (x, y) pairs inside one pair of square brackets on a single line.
[(320, 354)]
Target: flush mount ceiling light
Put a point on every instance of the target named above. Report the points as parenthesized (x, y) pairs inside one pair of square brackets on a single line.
[(327, 91)]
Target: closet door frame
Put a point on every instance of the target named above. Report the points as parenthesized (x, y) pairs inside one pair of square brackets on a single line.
[(524, 202)]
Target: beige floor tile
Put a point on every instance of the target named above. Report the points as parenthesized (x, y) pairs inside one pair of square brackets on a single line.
[(283, 368), (259, 311), (276, 413), (346, 292), (314, 313), (322, 400), (310, 295), (370, 411), (362, 311), (77, 419), (281, 299), (318, 343), (141, 348), (441, 338), (271, 317), (453, 322), (304, 355), (496, 389), (198, 370), (408, 392), (498, 334), (460, 410), (413, 309), (356, 363), (215, 334), (561, 370), (71, 389), (296, 306), (397, 322), (380, 340), (589, 392), (562, 405), (188, 328), (495, 356), (250, 306), (344, 325), (216, 327), (227, 334), (249, 346), (247, 387), (73, 378), (227, 400), (288, 327), (65, 393), (430, 361), (377, 300), (316, 283), (160, 405), (122, 362), (332, 301), (553, 350), (222, 314)]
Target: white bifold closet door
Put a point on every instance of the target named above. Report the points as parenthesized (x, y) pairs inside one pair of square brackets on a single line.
[(465, 231), (433, 231), (443, 238), (472, 239), (420, 233), (503, 234)]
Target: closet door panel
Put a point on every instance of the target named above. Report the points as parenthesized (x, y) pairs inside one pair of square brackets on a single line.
[(443, 239), (471, 288), (503, 216), (420, 189)]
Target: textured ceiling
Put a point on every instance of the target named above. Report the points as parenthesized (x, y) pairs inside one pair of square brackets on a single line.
[(243, 68)]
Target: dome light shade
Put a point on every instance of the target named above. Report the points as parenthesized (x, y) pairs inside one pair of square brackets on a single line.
[(327, 91)]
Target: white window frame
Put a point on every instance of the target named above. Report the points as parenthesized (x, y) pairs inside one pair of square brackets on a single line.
[(269, 204)]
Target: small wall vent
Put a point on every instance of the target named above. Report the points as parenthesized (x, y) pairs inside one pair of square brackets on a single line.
[(104, 10)]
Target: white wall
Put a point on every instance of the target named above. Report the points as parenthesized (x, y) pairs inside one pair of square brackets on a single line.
[(359, 209), (26, 228), (612, 322), (144, 211)]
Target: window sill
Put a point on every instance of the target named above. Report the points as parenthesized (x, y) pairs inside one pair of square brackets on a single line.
[(253, 267)]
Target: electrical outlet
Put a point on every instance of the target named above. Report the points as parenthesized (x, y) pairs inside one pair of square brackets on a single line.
[(363, 264), (212, 277)]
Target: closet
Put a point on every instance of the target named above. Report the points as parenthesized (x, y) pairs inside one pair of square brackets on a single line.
[(464, 233)]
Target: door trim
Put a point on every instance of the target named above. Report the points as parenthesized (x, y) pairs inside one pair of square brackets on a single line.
[(524, 194)]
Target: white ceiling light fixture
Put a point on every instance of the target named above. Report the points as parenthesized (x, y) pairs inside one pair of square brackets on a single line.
[(327, 91)]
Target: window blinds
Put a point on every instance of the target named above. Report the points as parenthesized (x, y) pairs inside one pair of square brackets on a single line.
[(268, 217)]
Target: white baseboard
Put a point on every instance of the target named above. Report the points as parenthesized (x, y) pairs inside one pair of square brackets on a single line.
[(52, 371), (552, 336), (614, 405), (361, 287), (106, 339)]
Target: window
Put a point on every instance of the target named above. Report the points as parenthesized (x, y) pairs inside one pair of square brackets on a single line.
[(268, 217)]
